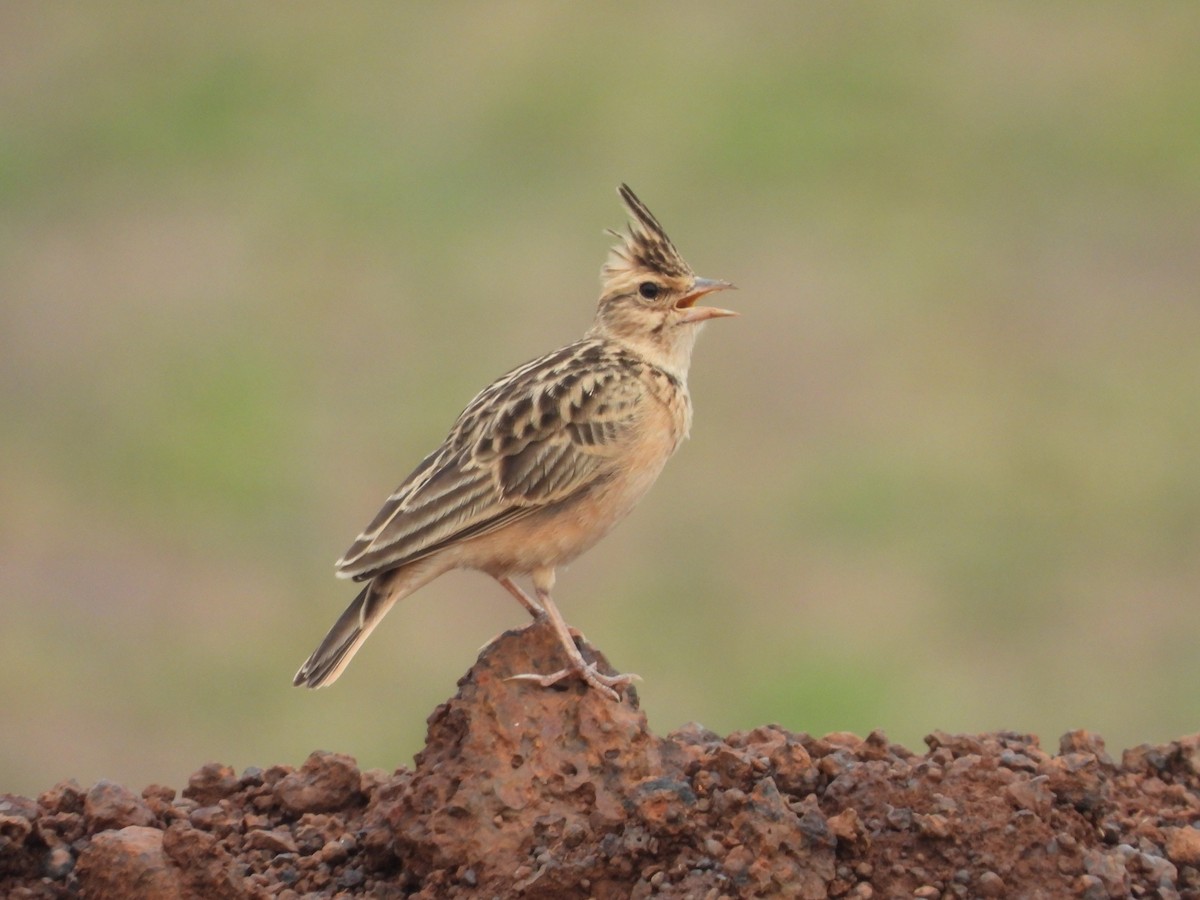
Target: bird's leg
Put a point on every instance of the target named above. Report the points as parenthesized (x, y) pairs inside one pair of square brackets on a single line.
[(531, 605), (606, 684), (534, 608)]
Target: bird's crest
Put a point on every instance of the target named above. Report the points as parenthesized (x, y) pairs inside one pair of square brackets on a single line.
[(646, 247)]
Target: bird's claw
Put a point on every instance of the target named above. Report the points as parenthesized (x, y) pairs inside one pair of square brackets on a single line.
[(605, 684)]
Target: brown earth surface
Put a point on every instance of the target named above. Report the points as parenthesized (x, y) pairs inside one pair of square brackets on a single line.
[(524, 791)]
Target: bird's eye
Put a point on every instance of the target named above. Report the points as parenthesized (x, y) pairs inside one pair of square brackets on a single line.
[(648, 289)]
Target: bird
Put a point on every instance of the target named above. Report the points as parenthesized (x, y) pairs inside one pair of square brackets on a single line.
[(545, 460)]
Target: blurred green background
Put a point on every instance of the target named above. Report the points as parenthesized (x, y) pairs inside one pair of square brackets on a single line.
[(945, 470)]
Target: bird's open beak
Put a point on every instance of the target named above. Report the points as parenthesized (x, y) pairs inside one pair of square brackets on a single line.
[(702, 286)]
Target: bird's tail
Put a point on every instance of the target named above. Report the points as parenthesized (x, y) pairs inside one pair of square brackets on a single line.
[(358, 621), (345, 637)]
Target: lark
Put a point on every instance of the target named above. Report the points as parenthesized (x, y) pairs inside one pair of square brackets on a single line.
[(545, 460)]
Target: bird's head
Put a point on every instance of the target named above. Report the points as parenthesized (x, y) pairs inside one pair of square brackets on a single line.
[(648, 294)]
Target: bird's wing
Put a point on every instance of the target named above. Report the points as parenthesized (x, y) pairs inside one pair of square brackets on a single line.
[(535, 437)]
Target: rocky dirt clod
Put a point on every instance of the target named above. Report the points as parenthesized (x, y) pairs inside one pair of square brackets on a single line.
[(523, 791)]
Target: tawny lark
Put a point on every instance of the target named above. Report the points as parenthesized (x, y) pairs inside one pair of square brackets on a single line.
[(546, 459)]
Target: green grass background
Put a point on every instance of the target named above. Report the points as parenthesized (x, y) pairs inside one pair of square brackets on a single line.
[(945, 470)]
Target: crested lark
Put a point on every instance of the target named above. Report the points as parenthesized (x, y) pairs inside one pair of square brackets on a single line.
[(546, 459)]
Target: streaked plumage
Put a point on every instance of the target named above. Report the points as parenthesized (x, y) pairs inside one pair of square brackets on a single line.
[(546, 459)]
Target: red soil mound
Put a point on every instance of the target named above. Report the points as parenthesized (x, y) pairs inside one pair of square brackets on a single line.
[(561, 793)]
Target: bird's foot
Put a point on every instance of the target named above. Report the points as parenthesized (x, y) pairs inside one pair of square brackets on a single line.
[(605, 684)]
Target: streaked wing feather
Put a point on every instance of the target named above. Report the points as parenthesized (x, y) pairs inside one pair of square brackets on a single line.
[(456, 502), (379, 560), (540, 434), (545, 469), (572, 433)]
